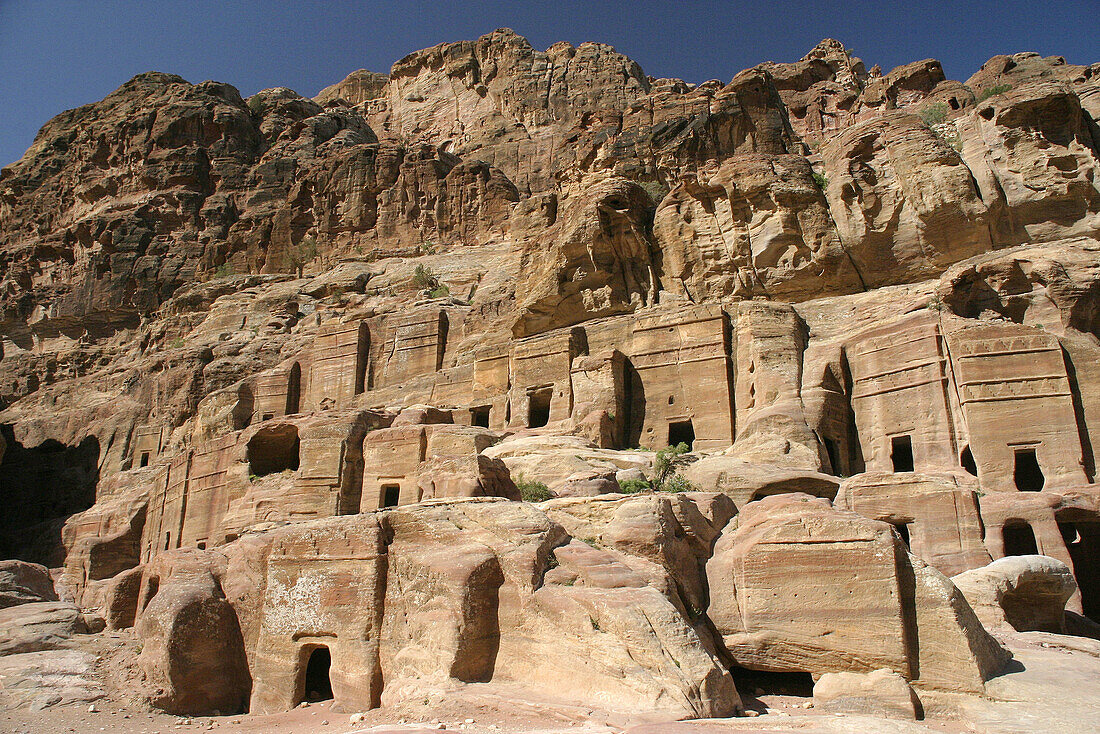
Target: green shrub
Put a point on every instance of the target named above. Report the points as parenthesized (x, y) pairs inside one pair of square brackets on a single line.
[(934, 114), (224, 271), (656, 190), (992, 91), (423, 277), (532, 491), (822, 182), (665, 463), (634, 486), (440, 292), (678, 483)]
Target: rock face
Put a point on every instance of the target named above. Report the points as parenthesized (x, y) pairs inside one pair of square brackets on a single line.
[(467, 592), (769, 359), (192, 649)]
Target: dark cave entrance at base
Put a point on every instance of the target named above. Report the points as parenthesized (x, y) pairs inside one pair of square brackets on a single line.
[(1083, 543), (318, 685)]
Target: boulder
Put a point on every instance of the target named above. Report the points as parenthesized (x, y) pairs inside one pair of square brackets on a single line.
[(939, 514), (744, 482), (1023, 593), (22, 582), (881, 693), (192, 652), (38, 680), (799, 586), (37, 626)]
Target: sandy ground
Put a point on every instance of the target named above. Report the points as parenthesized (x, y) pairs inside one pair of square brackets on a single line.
[(1054, 686)]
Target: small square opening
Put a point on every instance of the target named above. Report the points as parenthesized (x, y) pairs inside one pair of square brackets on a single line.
[(1019, 540), (391, 495), (479, 416), (144, 459)]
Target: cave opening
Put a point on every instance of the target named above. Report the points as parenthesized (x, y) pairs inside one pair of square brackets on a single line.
[(39, 487), (317, 684), (681, 432), (1019, 540), (901, 453), (538, 407), (1027, 473), (1083, 543), (391, 495), (479, 416), (966, 460), (293, 390), (903, 531), (273, 449)]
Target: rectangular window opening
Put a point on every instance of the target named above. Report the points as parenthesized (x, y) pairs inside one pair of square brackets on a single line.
[(391, 495), (901, 453), (1027, 473), (538, 407)]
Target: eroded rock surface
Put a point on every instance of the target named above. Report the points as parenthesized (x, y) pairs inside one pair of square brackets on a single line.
[(766, 358)]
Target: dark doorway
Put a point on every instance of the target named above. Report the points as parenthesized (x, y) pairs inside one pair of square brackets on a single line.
[(1019, 540), (1027, 474), (967, 461), (834, 456), (901, 453), (318, 685), (391, 495), (681, 432), (903, 531), (362, 359), (294, 389), (1083, 542), (144, 458), (538, 407), (479, 416)]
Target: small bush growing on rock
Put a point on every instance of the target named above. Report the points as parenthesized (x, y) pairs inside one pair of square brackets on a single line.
[(822, 182), (634, 486), (993, 91), (532, 491), (657, 191), (440, 292), (423, 277), (664, 465), (679, 483), (934, 114)]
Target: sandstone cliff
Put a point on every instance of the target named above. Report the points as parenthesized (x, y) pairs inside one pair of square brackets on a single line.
[(266, 360)]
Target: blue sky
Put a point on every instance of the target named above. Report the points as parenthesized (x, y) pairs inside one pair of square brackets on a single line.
[(59, 54)]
